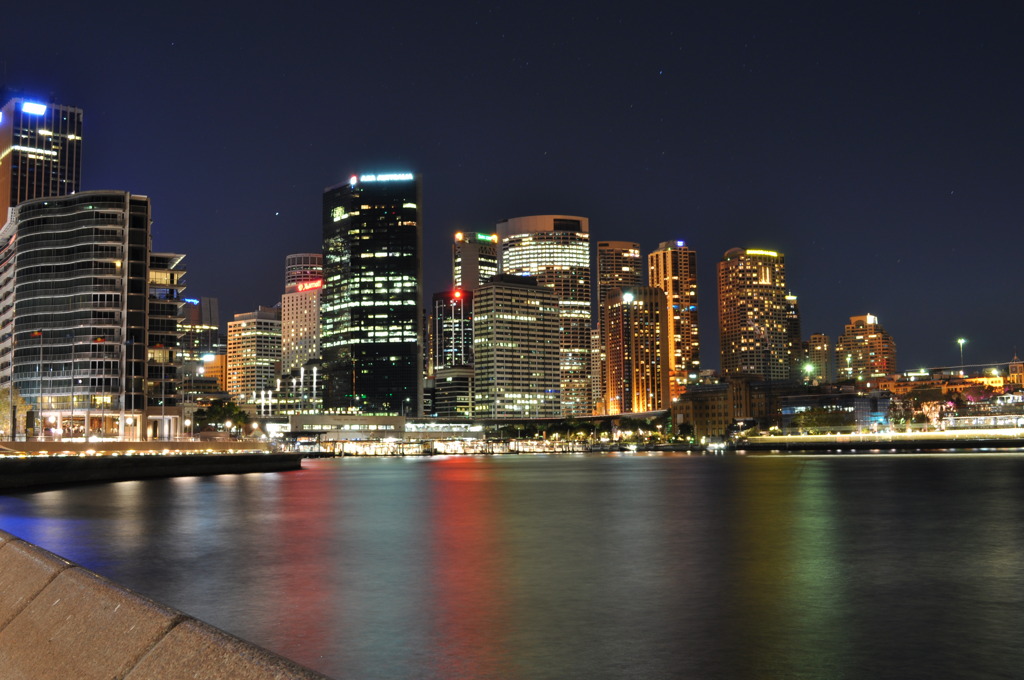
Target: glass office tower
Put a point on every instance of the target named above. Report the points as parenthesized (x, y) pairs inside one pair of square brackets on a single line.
[(370, 310)]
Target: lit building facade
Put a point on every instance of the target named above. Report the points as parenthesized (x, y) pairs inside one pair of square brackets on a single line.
[(752, 313), (83, 327), (865, 350), (40, 151), (254, 355), (303, 267), (371, 308), (453, 392), (300, 324), (819, 359), (555, 250), (673, 268), (618, 265), (474, 259), (638, 365), (200, 328), (794, 345), (200, 340), (164, 360), (516, 349), (452, 333)]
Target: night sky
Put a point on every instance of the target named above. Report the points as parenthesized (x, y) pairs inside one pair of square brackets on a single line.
[(878, 147)]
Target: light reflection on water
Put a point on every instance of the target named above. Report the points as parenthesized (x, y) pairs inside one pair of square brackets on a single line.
[(579, 567)]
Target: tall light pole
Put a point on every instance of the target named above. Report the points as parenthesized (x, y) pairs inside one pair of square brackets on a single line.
[(961, 341)]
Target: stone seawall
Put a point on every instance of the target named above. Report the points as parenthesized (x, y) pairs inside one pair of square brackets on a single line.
[(23, 473), (58, 620)]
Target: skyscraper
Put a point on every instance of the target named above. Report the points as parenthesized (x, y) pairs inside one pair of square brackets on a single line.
[(865, 350), (752, 313), (40, 151), (370, 310), (637, 361), (452, 334), (474, 259), (555, 249), (515, 340), (618, 264), (300, 311), (673, 268)]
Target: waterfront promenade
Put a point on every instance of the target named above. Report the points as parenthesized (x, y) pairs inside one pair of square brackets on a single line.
[(964, 439), (27, 465)]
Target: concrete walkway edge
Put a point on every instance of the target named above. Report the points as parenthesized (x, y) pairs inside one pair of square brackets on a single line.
[(59, 620)]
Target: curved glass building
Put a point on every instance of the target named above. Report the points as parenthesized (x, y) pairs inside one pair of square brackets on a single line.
[(80, 297)]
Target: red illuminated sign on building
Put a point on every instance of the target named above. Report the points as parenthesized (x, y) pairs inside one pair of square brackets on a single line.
[(310, 285)]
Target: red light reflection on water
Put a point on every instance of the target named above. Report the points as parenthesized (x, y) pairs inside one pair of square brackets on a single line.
[(302, 598), (468, 553)]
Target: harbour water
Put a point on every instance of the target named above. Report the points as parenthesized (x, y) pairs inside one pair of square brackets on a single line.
[(598, 566)]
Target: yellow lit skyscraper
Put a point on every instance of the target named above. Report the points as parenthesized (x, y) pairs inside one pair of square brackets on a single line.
[(555, 249), (752, 313), (673, 268)]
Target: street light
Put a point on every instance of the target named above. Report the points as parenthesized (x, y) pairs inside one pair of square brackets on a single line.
[(188, 426), (961, 341)]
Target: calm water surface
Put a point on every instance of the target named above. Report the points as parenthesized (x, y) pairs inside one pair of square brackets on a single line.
[(579, 567)]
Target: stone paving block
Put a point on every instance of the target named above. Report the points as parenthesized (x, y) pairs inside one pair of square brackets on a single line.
[(82, 626), (24, 571), (194, 649)]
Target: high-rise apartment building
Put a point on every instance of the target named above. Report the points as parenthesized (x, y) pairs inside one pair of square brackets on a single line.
[(673, 268), (515, 341), (254, 354), (555, 249), (752, 313), (638, 364), (474, 259), (82, 300), (40, 151), (370, 309), (865, 350)]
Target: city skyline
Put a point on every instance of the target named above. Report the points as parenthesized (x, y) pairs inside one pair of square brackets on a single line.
[(881, 155)]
